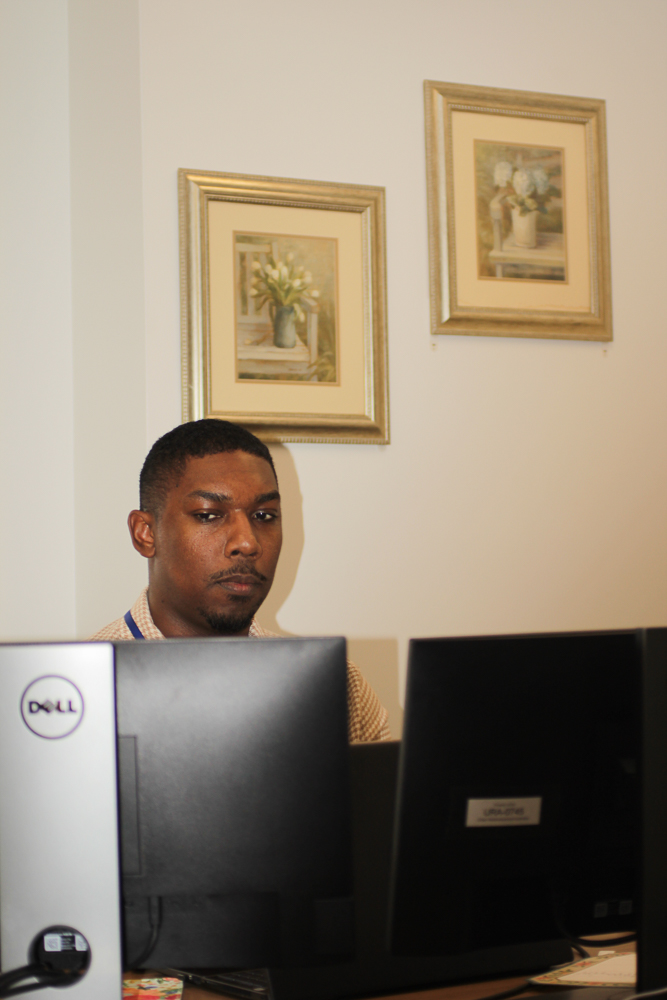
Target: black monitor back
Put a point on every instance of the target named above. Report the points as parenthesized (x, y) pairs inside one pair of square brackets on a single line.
[(519, 791), (374, 970), (234, 801)]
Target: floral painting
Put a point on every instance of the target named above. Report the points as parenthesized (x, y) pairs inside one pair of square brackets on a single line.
[(285, 309), (520, 212)]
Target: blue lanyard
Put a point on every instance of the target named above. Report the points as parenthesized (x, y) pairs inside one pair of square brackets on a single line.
[(132, 625)]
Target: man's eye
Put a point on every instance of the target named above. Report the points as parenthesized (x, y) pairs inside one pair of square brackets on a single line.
[(206, 516), (265, 515)]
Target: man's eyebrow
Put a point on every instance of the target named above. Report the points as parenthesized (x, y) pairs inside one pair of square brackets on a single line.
[(213, 497), (266, 497), (223, 498)]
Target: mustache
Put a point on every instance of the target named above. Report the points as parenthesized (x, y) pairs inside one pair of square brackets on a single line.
[(240, 568)]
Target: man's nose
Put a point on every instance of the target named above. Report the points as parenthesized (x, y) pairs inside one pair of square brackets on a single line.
[(241, 539)]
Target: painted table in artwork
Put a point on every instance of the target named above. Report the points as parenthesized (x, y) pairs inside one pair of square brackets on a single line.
[(258, 355), (549, 253)]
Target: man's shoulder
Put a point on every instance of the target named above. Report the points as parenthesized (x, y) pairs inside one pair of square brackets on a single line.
[(140, 618), (368, 719), (258, 632), (112, 632)]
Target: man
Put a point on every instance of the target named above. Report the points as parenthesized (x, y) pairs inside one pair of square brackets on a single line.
[(209, 525)]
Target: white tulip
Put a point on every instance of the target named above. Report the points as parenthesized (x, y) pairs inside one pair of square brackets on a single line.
[(314, 292), (256, 266)]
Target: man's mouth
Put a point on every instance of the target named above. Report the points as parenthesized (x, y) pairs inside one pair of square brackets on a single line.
[(239, 584), (238, 580)]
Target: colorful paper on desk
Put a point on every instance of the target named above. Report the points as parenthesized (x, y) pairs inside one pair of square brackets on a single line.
[(602, 970), (152, 989)]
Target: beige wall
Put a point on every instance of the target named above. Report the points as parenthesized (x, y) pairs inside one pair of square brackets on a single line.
[(107, 302), (37, 579), (525, 487)]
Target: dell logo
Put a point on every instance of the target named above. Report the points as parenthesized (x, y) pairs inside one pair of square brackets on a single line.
[(48, 706), (52, 707)]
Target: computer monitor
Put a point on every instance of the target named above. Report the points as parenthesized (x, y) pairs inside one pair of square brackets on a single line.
[(533, 798), (234, 802), (374, 970)]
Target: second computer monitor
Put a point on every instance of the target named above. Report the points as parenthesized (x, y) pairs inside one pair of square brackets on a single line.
[(519, 791)]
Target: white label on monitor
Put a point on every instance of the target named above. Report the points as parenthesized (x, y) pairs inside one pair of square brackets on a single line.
[(504, 812)]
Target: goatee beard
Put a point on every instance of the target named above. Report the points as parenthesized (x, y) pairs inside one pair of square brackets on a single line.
[(230, 624)]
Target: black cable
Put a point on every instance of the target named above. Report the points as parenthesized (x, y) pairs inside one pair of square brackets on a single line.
[(31, 987), (648, 993), (579, 950), (9, 978), (574, 940), (25, 970), (8, 981), (600, 942), (155, 921)]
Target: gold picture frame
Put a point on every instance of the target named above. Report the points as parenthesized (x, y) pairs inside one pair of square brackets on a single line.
[(261, 344), (518, 213)]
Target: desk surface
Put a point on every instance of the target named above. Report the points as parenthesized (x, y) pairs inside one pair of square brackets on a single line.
[(465, 991), (461, 991)]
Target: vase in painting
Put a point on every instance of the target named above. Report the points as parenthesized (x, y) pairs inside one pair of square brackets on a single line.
[(524, 228), (284, 327)]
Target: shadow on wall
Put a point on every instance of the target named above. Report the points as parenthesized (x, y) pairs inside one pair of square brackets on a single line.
[(376, 658), (293, 538)]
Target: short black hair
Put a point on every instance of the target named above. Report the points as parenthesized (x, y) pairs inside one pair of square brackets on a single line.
[(166, 461)]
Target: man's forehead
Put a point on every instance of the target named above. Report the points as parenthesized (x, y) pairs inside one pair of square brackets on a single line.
[(227, 470)]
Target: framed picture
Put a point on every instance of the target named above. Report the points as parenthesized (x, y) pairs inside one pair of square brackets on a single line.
[(518, 213), (283, 306)]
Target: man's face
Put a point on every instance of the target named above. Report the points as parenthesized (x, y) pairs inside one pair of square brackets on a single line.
[(216, 545)]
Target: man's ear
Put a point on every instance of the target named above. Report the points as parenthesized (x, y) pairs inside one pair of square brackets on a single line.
[(142, 531)]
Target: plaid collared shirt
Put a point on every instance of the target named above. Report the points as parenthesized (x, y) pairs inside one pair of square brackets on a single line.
[(367, 719)]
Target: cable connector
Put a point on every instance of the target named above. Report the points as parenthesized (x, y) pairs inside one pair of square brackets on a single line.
[(61, 951), (59, 956)]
